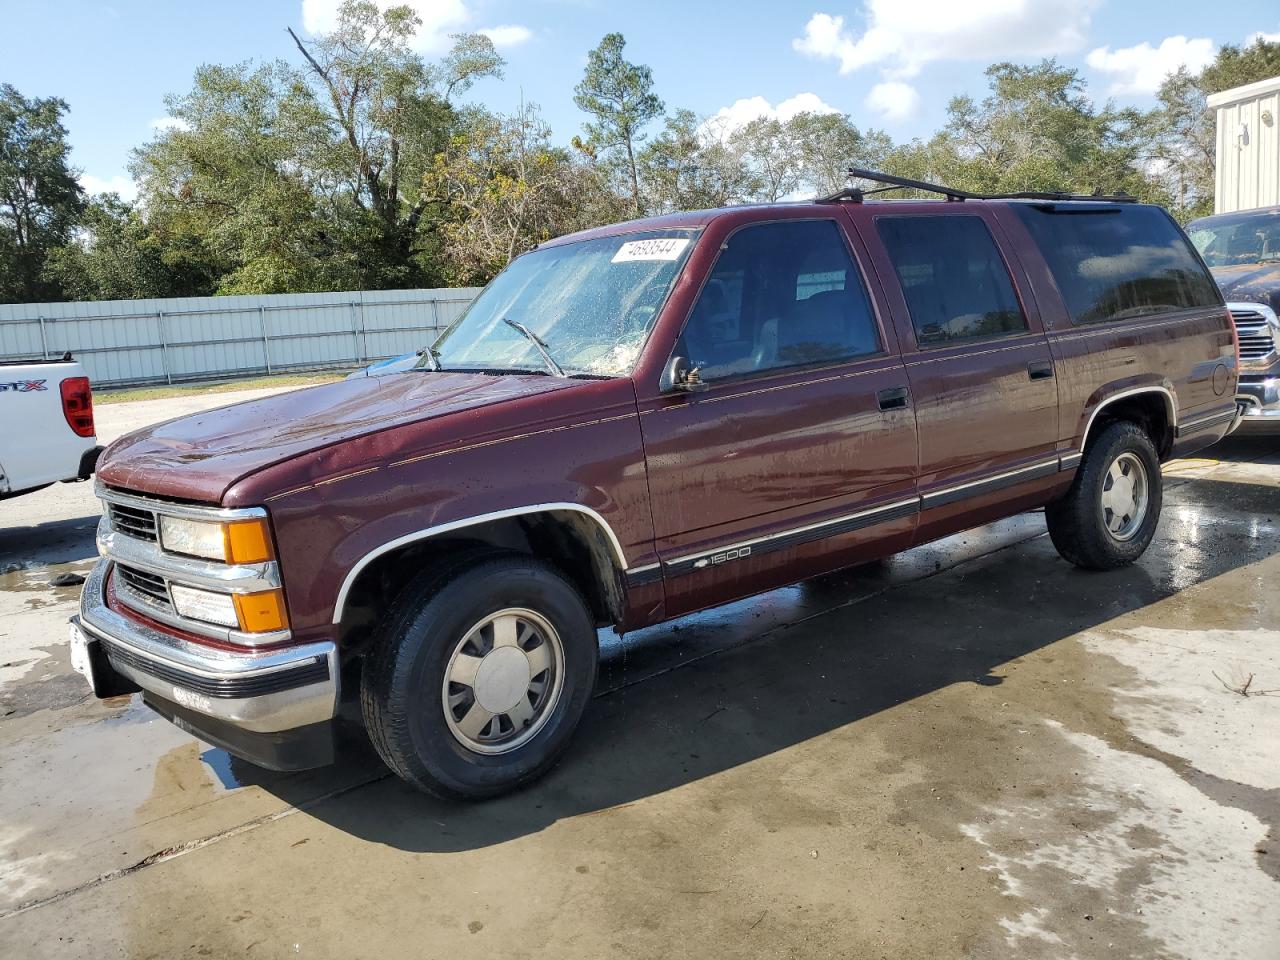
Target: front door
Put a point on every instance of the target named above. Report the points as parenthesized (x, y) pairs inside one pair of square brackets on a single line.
[(978, 362), (800, 455)]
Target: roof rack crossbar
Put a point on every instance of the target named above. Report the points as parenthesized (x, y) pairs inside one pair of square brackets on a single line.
[(855, 194)]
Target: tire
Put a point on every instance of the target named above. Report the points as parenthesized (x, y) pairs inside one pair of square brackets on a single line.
[(443, 621), (1085, 525)]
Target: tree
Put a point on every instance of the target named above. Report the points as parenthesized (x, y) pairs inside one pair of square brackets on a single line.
[(309, 178), (686, 167), (392, 111), (1183, 130), (1037, 130), (828, 144), (501, 188), (620, 96), (40, 199), (115, 255), (769, 153)]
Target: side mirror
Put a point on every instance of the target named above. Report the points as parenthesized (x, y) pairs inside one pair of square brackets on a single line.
[(681, 376)]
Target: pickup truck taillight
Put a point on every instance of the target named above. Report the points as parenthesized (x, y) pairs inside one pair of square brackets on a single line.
[(77, 405)]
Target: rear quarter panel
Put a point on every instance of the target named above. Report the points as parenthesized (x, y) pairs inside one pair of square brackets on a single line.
[(1175, 354)]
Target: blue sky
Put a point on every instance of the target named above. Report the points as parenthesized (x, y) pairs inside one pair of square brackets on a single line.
[(889, 63)]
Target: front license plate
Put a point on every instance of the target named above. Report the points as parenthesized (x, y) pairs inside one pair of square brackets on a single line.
[(80, 661)]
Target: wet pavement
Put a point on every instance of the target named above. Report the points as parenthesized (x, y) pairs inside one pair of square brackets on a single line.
[(971, 750)]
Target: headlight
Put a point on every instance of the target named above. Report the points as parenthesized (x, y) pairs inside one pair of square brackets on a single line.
[(251, 612), (238, 541), (203, 605)]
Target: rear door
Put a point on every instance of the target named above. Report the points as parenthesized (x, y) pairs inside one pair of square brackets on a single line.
[(980, 370), (800, 455)]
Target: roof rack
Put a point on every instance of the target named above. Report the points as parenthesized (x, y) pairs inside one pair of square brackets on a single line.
[(856, 194)]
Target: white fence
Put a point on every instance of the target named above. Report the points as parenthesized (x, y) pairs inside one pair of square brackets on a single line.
[(129, 342)]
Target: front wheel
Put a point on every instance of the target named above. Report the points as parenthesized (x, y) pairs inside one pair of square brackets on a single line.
[(1108, 517), (479, 676)]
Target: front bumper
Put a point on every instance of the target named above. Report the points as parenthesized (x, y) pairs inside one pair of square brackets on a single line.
[(259, 692), (1260, 397)]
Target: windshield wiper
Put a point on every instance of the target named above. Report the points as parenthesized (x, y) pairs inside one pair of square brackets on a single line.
[(537, 345)]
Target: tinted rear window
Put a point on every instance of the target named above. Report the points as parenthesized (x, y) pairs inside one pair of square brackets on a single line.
[(1115, 263), (954, 280)]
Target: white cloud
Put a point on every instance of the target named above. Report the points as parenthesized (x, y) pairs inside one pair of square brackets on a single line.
[(1140, 69), (508, 35), (169, 123), (1260, 35), (439, 19), (894, 99), (902, 36), (738, 114), (119, 183)]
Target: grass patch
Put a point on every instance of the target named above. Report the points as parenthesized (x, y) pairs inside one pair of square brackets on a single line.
[(165, 392)]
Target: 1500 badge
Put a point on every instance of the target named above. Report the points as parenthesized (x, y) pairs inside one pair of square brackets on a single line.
[(715, 558), (23, 386)]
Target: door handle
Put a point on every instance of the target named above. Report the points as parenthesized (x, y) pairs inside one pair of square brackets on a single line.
[(1040, 370), (894, 398)]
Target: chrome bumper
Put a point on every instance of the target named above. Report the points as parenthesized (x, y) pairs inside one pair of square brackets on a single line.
[(1260, 403), (258, 691)]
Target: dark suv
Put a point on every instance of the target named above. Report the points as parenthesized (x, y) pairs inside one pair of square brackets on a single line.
[(1243, 252), (637, 422)]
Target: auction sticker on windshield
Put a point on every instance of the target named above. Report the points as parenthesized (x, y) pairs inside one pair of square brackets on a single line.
[(657, 248)]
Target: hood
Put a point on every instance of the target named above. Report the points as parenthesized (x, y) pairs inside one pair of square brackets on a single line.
[(200, 456), (1250, 282)]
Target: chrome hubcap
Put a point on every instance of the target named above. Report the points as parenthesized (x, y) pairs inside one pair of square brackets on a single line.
[(503, 681), (1124, 496)]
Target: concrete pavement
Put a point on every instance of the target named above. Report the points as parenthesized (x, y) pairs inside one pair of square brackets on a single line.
[(972, 750)]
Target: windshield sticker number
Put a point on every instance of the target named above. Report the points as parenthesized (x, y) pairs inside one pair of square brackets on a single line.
[(659, 248)]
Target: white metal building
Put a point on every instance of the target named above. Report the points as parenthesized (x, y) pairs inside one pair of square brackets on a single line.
[(1248, 151)]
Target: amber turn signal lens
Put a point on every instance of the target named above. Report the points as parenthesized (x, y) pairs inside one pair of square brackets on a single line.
[(248, 541), (261, 612)]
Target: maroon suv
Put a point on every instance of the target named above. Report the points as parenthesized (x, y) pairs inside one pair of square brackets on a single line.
[(637, 422)]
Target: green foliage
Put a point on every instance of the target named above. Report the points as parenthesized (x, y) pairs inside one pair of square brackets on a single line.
[(619, 95), (1236, 66), (685, 168), (1036, 130), (40, 200), (117, 256), (500, 188)]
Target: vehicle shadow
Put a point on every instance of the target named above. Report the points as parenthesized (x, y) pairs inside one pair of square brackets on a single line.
[(1246, 449), (54, 541), (789, 683)]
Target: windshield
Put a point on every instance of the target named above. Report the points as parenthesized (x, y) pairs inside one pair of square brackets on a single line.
[(1251, 238), (588, 305)]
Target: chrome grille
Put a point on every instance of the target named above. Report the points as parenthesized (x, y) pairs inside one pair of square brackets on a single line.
[(1257, 338), (134, 522), (143, 586)]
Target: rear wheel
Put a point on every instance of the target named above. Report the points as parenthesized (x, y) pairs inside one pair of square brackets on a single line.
[(1109, 515), (479, 676)]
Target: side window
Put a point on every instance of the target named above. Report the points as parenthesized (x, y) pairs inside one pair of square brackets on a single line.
[(780, 295), (956, 284), (1114, 263)]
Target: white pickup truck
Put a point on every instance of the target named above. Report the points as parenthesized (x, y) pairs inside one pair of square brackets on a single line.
[(46, 425)]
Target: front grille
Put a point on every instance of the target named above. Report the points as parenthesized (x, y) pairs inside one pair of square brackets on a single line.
[(146, 587), (133, 522), (1257, 341)]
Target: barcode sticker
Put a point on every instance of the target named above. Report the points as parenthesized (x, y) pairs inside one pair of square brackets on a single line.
[(659, 248)]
